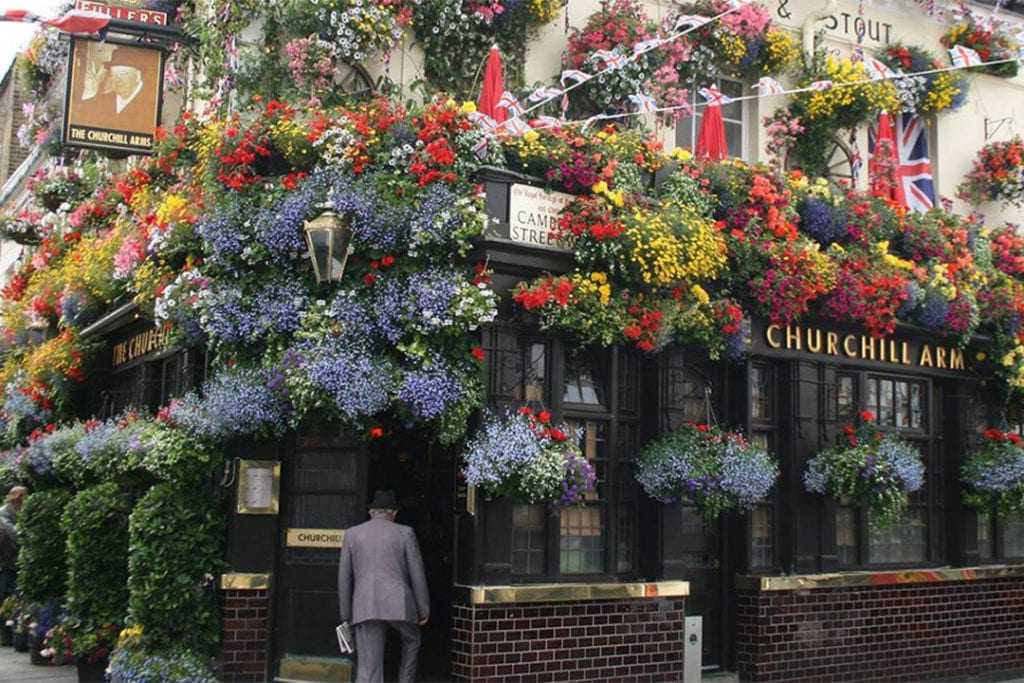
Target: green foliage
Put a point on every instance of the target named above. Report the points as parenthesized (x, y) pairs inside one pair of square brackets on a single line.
[(175, 549), (96, 524), (42, 568)]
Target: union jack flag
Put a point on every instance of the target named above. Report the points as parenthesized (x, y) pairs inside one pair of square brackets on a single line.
[(914, 182), (964, 56)]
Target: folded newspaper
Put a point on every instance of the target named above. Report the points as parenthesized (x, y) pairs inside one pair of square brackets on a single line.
[(346, 643)]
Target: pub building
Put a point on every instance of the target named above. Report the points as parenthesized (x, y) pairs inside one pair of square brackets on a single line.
[(800, 588)]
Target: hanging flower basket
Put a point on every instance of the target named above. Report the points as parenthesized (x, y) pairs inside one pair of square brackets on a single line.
[(997, 174), (521, 456), (870, 469), (994, 474), (717, 469)]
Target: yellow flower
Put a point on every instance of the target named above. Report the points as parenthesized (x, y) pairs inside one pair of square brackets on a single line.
[(600, 187), (599, 278), (606, 293), (980, 356), (528, 136), (682, 154), (450, 103), (700, 295), (616, 198)]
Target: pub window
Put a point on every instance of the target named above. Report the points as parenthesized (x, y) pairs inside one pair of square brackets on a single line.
[(734, 117), (846, 397), (1002, 536), (582, 534), (596, 393), (584, 378), (517, 369), (762, 516), (899, 405), (528, 539)]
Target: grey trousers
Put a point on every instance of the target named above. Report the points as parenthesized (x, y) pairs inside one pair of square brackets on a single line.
[(370, 637)]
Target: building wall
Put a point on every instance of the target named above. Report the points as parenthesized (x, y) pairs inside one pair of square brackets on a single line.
[(597, 640), (881, 633), (959, 135), (12, 96), (244, 628)]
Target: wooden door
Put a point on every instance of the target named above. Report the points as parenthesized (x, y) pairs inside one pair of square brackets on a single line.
[(323, 492)]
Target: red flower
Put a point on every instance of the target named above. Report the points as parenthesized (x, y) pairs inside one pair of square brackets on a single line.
[(995, 435), (1013, 438), (478, 353), (387, 261), (557, 435), (369, 279), (544, 417), (376, 432), (701, 427), (867, 416), (526, 410)]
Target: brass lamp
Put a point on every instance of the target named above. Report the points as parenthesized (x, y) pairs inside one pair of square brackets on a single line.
[(329, 240)]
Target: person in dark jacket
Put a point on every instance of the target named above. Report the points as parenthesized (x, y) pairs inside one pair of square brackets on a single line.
[(382, 585)]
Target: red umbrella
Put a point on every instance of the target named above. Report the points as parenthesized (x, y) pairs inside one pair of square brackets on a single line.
[(884, 164), (494, 86), (711, 141)]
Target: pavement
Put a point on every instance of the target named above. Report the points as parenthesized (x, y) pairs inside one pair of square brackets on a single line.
[(15, 667)]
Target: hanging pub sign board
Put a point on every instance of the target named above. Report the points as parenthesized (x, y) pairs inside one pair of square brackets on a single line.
[(125, 11), (114, 94)]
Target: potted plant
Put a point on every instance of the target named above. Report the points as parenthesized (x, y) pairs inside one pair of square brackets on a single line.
[(22, 624), (8, 613), (994, 474), (46, 617), (91, 645), (523, 457), (717, 469), (57, 644), (868, 468)]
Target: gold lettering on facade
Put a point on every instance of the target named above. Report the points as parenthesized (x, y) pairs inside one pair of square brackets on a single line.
[(793, 335), (814, 340), (867, 347), (850, 346), (139, 345), (797, 338)]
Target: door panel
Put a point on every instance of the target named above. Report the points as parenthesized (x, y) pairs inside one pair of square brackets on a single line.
[(324, 487)]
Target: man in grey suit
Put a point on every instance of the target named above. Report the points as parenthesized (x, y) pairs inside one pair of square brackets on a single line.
[(381, 584)]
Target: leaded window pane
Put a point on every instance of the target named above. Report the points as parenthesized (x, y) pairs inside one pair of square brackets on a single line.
[(528, 539)]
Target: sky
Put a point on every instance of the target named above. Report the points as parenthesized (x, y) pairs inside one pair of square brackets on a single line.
[(14, 36)]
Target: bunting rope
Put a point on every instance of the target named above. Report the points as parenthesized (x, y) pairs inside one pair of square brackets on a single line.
[(771, 92), (614, 61)]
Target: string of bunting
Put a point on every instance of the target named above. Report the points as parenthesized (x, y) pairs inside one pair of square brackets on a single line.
[(962, 58), (612, 60)]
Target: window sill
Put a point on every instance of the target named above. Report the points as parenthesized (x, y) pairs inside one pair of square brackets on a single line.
[(878, 578), (571, 592)]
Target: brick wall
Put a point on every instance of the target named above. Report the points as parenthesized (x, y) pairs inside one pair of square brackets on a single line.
[(243, 655), (891, 633), (606, 640)]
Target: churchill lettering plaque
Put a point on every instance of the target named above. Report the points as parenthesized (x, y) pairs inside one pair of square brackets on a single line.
[(315, 538), (532, 215)]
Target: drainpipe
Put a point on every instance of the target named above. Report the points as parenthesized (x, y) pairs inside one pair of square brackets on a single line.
[(808, 26)]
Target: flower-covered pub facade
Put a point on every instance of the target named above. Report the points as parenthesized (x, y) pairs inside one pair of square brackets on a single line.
[(671, 362)]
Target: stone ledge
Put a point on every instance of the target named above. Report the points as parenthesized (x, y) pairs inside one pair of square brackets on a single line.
[(570, 592), (900, 577)]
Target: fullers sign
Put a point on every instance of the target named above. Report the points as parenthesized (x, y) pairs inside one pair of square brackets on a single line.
[(863, 347), (533, 215)]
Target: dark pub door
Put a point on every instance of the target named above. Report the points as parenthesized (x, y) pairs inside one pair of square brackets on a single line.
[(323, 492), (326, 485)]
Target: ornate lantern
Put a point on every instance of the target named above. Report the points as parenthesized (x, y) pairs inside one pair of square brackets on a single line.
[(329, 240)]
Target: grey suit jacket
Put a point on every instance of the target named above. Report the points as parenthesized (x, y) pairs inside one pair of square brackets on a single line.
[(381, 575)]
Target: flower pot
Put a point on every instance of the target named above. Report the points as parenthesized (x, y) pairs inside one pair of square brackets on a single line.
[(90, 671), (36, 652), (20, 642)]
